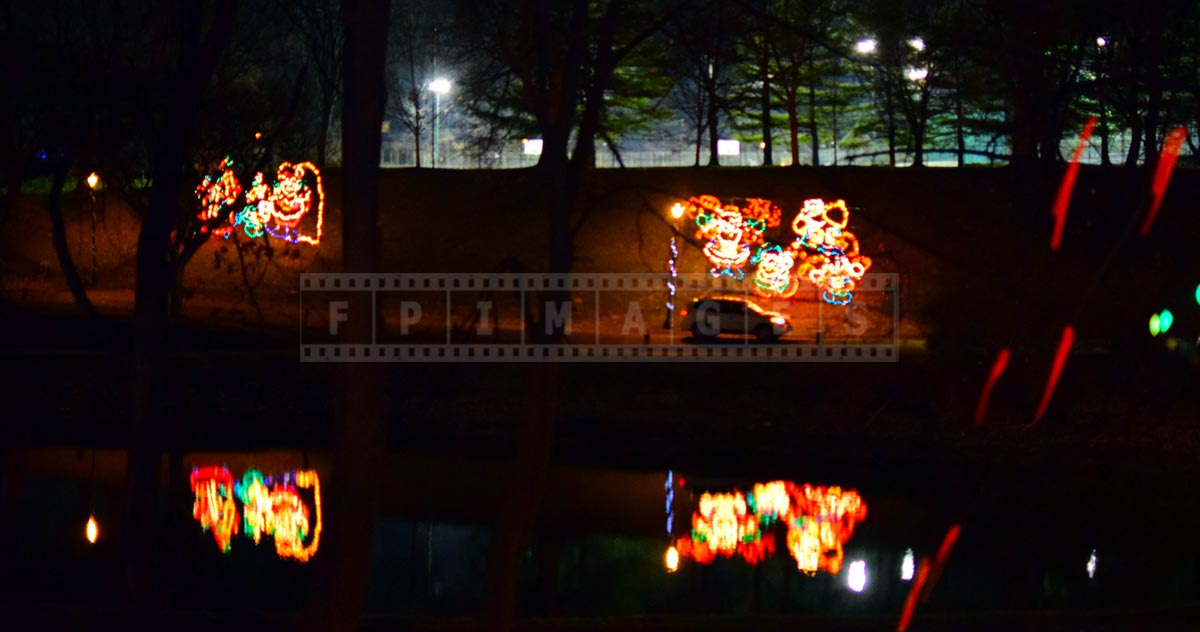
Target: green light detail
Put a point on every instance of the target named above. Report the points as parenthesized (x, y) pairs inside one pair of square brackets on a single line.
[(1165, 320), (1154, 330), (1198, 294)]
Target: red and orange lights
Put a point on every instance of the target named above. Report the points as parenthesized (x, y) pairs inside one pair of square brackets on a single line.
[(818, 521), (271, 505)]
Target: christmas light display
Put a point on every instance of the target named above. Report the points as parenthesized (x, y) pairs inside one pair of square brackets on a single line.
[(1091, 565), (271, 505), (214, 506), (818, 520), (730, 231), (216, 194), (836, 266), (670, 487), (280, 210), (773, 277), (671, 284)]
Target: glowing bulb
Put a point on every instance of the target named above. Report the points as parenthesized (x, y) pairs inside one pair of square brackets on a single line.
[(92, 530), (257, 135), (440, 86), (917, 43), (1091, 565), (857, 579), (672, 560), (1198, 294), (1101, 41), (865, 46), (917, 74), (93, 180), (1154, 325), (1165, 319), (678, 210), (908, 566)]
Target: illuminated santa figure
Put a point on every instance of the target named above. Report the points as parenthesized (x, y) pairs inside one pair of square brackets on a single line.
[(773, 277), (729, 232), (837, 265)]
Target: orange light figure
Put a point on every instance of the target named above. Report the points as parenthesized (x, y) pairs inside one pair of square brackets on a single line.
[(217, 194), (837, 265), (278, 511), (730, 231), (828, 519), (773, 277), (214, 506)]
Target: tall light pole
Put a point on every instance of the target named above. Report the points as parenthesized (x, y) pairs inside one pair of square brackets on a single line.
[(677, 212), (438, 87)]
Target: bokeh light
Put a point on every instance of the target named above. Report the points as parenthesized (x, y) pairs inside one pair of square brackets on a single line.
[(857, 578), (92, 531), (908, 567)]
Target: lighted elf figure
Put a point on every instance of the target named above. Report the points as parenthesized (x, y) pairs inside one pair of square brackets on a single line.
[(216, 194), (730, 232), (773, 277), (836, 266)]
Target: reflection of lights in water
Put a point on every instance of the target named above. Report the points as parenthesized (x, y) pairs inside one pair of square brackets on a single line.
[(857, 580), (92, 530), (1091, 565), (672, 560), (908, 566)]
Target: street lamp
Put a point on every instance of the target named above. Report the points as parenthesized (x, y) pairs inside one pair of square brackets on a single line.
[(917, 75), (93, 181), (438, 87), (917, 44), (865, 46)]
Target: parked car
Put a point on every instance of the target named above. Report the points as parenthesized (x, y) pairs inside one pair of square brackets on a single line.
[(708, 316)]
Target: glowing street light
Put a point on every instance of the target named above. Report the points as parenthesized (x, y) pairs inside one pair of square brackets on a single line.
[(678, 210), (917, 43), (438, 87), (93, 181), (1101, 41), (917, 74), (857, 578), (1091, 565), (865, 46), (92, 531)]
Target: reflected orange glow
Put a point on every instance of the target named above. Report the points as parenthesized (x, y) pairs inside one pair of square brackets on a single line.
[(818, 520), (92, 531)]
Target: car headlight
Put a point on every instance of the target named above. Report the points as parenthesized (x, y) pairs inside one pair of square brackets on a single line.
[(778, 320)]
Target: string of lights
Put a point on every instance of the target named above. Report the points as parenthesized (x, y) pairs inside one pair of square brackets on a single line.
[(278, 210)]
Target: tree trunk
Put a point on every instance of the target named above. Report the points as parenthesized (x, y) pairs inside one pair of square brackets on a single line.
[(1105, 160), (960, 136), (714, 130), (323, 133), (1153, 105), (148, 424), (361, 432), (765, 77), (814, 139), (793, 115), (1135, 144), (65, 261)]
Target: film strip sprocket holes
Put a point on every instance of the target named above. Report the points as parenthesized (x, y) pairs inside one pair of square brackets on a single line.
[(609, 318)]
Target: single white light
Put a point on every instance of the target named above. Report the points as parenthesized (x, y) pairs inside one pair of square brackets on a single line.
[(865, 46), (1101, 41), (1091, 565), (677, 211), (917, 43), (908, 567), (440, 86), (92, 530), (727, 147), (533, 146), (917, 74), (672, 560), (857, 580)]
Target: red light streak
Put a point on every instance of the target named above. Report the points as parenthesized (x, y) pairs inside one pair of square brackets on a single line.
[(1068, 184), (910, 604), (939, 562), (1060, 359), (998, 367), (1162, 175)]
